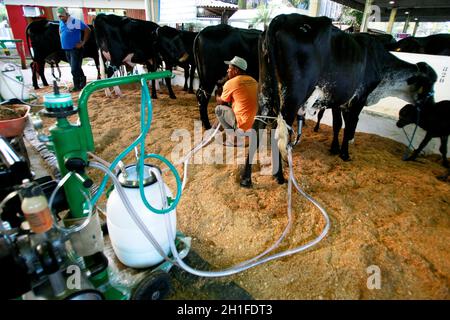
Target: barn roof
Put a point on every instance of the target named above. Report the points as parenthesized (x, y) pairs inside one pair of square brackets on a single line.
[(423, 10), (216, 4)]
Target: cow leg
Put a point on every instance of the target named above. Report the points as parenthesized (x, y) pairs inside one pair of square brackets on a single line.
[(337, 125), (319, 117), (191, 79), (41, 69), (443, 150), (34, 72), (203, 96), (422, 145), (351, 117), (152, 68), (186, 76), (97, 65), (246, 172), (169, 84)]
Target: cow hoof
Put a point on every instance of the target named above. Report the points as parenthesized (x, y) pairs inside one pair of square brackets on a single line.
[(280, 180), (316, 129), (246, 182), (154, 97), (335, 151), (345, 157), (172, 96), (191, 91), (445, 164), (36, 88)]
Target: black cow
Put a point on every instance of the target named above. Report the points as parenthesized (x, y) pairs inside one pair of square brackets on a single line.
[(432, 117), (128, 41), (43, 37), (176, 48), (436, 44), (387, 41), (214, 45), (301, 54)]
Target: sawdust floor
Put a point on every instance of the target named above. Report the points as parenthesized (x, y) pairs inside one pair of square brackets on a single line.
[(384, 211)]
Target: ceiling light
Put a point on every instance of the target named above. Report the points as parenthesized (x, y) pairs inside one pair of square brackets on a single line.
[(406, 12), (391, 2)]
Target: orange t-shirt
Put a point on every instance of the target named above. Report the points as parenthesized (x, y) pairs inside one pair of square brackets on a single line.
[(242, 92)]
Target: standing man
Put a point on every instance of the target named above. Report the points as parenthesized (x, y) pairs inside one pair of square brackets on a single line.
[(70, 32), (241, 90)]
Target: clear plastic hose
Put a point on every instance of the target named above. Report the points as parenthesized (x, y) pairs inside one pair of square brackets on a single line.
[(133, 214)]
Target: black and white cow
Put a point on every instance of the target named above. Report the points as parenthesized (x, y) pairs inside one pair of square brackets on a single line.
[(128, 41), (176, 48), (212, 46), (303, 57), (43, 37), (436, 44)]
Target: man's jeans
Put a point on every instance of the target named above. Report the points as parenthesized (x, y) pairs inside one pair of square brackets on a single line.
[(226, 117), (75, 59)]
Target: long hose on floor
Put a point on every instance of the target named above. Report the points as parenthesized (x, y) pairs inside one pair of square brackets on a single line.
[(146, 109)]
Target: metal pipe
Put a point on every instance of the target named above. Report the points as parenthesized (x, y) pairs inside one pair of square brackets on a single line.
[(367, 13), (391, 20)]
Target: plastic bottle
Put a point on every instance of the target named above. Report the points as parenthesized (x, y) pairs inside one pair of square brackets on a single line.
[(35, 207)]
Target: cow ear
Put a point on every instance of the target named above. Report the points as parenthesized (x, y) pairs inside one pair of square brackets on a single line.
[(420, 91)]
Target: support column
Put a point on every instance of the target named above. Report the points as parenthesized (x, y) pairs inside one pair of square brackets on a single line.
[(416, 25), (367, 12), (314, 8), (406, 25), (151, 10), (148, 10), (391, 20)]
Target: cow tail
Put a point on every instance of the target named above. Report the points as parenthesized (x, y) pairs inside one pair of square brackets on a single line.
[(269, 100), (28, 41), (270, 90), (197, 62)]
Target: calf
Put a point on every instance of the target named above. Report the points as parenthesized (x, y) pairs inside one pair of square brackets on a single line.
[(434, 118), (436, 44)]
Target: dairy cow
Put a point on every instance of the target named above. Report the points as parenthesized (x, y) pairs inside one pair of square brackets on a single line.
[(305, 60)]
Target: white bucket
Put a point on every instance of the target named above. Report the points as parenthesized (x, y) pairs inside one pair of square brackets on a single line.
[(129, 243), (11, 82)]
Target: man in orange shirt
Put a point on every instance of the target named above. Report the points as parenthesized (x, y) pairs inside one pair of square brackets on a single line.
[(241, 91)]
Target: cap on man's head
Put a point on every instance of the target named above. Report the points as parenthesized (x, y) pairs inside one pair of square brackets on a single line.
[(238, 62), (61, 11)]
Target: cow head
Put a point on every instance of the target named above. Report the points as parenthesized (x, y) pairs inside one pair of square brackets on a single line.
[(406, 45), (422, 83), (171, 45), (407, 115)]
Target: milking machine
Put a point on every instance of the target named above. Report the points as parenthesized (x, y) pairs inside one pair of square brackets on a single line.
[(59, 255), (140, 211)]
